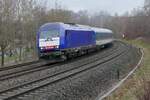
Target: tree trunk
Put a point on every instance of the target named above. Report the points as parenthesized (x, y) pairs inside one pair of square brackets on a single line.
[(20, 53), (2, 57)]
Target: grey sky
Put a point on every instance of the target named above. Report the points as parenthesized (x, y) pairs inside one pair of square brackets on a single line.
[(111, 6)]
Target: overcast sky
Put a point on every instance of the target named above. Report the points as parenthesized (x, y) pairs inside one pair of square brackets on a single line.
[(111, 6)]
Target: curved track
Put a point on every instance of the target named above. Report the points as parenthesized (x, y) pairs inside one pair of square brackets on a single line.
[(26, 68), (43, 81)]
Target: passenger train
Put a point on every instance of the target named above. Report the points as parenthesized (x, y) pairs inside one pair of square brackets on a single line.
[(67, 39)]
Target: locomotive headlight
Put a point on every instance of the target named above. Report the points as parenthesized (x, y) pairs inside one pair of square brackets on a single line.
[(57, 46), (42, 48)]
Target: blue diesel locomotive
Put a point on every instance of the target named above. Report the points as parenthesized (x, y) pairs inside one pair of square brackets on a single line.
[(68, 39)]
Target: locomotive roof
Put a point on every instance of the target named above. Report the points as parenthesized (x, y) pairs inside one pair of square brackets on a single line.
[(71, 26), (67, 26), (76, 27)]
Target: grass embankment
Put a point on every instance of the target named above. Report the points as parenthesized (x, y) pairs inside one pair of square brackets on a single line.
[(136, 87), (26, 56)]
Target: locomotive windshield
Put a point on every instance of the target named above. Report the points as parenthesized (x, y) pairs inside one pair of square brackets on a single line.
[(49, 34)]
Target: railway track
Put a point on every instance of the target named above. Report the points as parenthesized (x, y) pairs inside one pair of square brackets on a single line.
[(8, 74), (16, 71), (28, 87)]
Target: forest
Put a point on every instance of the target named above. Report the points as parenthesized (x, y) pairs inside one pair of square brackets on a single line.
[(20, 20)]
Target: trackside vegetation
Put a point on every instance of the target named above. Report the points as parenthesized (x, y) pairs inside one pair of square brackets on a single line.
[(137, 87)]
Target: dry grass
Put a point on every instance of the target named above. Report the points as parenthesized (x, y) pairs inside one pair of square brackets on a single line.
[(138, 86)]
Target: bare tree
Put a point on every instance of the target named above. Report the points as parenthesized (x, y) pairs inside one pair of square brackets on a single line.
[(6, 31)]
